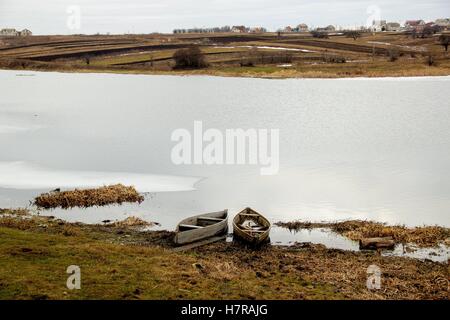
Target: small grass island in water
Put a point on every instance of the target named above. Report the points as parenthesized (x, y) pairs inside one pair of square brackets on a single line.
[(84, 198)]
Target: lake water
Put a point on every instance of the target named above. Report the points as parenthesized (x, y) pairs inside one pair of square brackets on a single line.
[(373, 149)]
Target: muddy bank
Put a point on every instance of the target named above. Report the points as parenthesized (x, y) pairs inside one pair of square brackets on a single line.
[(345, 271)]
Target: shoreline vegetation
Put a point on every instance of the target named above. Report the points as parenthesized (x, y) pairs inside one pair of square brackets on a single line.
[(357, 230), (120, 260), (263, 72), (84, 198), (267, 55)]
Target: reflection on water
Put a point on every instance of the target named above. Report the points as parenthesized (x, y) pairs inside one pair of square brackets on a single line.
[(283, 236), (440, 254), (20, 175)]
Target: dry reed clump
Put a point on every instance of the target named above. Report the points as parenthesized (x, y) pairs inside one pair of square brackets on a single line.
[(297, 225), (14, 222), (422, 236), (356, 230), (15, 212), (224, 271), (70, 230), (131, 222), (89, 197)]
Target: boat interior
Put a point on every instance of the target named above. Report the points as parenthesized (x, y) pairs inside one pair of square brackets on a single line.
[(200, 222), (250, 222)]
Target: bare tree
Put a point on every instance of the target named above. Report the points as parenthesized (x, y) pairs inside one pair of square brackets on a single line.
[(151, 60), (393, 54), (319, 34), (332, 58), (426, 32), (352, 34), (444, 40), (430, 60), (253, 55), (189, 58)]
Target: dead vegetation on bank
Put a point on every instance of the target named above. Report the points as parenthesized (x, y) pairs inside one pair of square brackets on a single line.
[(14, 212), (84, 198), (216, 271), (133, 222), (426, 236), (129, 231), (344, 273)]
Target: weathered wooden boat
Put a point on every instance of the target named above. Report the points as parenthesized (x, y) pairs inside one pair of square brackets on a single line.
[(201, 227), (251, 226)]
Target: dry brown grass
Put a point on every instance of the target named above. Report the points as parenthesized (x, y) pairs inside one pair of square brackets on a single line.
[(424, 236), (15, 212), (131, 222), (115, 194), (344, 271), (14, 222)]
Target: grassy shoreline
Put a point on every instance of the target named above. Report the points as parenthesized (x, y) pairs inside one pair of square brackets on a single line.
[(246, 73), (119, 262)]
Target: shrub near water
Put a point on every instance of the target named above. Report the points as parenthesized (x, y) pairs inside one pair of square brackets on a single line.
[(89, 197), (189, 58)]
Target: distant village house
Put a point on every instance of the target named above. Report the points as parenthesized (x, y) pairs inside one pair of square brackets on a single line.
[(443, 23), (203, 30), (10, 32), (257, 30), (379, 25), (239, 29), (416, 25), (25, 33), (393, 26), (302, 28)]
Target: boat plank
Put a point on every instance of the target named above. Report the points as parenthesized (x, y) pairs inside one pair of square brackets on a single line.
[(209, 219), (190, 226)]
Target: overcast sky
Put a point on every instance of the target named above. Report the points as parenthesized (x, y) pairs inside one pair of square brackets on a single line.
[(146, 16)]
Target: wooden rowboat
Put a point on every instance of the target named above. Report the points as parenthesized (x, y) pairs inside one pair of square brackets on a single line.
[(250, 226), (202, 226)]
